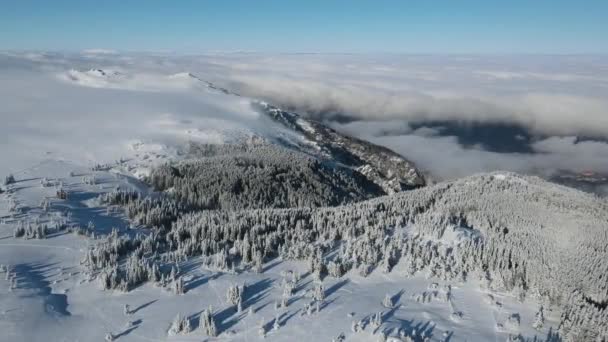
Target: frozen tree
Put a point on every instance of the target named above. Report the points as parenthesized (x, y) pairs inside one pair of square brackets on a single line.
[(45, 205), (8, 273), (10, 179), (309, 309), (127, 310), (388, 301), (262, 328), (233, 295), (207, 322), (178, 286), (239, 305), (187, 326), (539, 320), (319, 293), (513, 321), (288, 288), (276, 325), (258, 262), (376, 320), (180, 325), (19, 231), (335, 269), (340, 338)]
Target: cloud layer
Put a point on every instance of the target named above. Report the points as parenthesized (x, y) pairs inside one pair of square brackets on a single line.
[(566, 97), (397, 101), (558, 104)]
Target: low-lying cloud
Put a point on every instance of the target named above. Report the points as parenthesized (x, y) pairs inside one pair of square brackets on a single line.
[(452, 115), (548, 102), (564, 104)]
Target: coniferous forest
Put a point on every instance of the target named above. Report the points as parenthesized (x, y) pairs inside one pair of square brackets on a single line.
[(239, 210)]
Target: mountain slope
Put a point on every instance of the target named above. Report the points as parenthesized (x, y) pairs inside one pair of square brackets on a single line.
[(384, 167), (389, 170), (259, 175), (514, 233)]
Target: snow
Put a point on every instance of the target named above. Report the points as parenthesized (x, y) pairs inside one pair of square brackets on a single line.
[(54, 296), (59, 122), (305, 125), (500, 176)]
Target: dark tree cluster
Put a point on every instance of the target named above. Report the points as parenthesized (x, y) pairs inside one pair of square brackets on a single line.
[(259, 176)]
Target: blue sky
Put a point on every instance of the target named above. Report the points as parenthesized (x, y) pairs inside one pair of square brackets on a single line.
[(431, 26)]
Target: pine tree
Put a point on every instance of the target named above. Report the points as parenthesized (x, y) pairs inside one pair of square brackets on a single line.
[(207, 322), (262, 328), (233, 295), (388, 301), (10, 179), (539, 320), (319, 293), (179, 325)]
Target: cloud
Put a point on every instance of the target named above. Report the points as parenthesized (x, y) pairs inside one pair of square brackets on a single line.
[(537, 92), (445, 158), (392, 100), (99, 52), (549, 99), (543, 112), (100, 120)]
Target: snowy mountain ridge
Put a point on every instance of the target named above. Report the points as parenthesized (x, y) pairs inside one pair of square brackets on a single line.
[(386, 168)]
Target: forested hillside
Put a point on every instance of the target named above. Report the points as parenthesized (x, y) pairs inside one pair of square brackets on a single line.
[(515, 233), (259, 176)]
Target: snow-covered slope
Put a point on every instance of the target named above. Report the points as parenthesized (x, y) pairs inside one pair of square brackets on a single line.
[(517, 234), (47, 291)]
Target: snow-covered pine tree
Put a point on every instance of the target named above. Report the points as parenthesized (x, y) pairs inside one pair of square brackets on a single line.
[(207, 322), (233, 294), (388, 301), (180, 325), (10, 179)]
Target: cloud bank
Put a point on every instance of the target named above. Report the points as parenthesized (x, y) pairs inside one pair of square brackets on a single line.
[(558, 105), (446, 113)]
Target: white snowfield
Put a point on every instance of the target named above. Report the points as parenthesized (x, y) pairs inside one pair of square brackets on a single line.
[(90, 131)]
